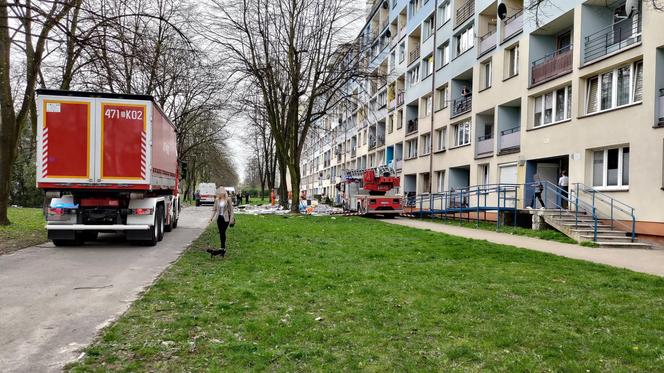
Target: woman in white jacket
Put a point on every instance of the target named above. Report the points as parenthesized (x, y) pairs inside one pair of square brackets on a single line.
[(223, 212)]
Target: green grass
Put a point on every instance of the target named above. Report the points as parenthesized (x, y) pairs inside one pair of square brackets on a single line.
[(389, 298), (26, 229), (548, 234)]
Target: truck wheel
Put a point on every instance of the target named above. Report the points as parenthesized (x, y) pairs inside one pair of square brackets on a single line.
[(77, 241), (176, 216), (153, 232), (160, 217), (89, 235), (169, 227)]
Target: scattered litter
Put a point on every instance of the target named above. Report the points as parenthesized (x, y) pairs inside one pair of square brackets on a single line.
[(314, 209), (92, 287), (319, 318), (167, 343)]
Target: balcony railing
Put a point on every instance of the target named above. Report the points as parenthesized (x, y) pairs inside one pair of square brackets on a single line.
[(484, 145), (464, 13), (392, 105), (462, 105), (510, 138), (612, 38), (661, 106), (411, 126), (414, 55), (488, 42), (513, 24), (552, 65)]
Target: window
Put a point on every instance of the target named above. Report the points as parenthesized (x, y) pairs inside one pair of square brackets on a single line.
[(464, 40), (611, 168), (512, 64), (428, 106), (390, 124), (428, 28), (402, 52), (461, 133), (553, 107), (399, 119), (443, 55), (440, 139), (414, 75), (485, 73), (440, 181), (426, 144), (619, 87), (483, 174), (414, 7), (393, 60), (427, 66), (412, 148), (444, 13), (442, 94)]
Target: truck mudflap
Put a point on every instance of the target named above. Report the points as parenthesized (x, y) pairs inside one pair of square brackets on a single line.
[(100, 227)]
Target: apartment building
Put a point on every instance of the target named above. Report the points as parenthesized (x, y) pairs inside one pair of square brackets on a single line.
[(478, 96)]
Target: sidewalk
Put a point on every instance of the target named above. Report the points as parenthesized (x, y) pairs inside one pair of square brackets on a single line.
[(639, 260)]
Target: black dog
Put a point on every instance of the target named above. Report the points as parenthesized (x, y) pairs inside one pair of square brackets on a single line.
[(214, 252)]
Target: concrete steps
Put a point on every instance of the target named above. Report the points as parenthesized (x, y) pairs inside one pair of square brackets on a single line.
[(581, 228)]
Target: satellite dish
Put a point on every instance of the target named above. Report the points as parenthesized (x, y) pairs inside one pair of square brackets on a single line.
[(388, 33), (630, 6), (385, 5), (502, 11)]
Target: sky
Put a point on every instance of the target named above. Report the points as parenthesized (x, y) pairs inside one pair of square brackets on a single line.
[(241, 152)]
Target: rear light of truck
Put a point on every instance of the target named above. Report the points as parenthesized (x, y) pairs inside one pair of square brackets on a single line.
[(140, 211), (56, 211)]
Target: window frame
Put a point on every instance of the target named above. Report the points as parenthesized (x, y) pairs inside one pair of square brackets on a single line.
[(633, 70), (462, 131), (605, 162), (486, 77), (567, 110)]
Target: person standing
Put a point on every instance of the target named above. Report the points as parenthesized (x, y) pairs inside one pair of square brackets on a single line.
[(246, 198), (563, 183), (223, 212), (539, 188)]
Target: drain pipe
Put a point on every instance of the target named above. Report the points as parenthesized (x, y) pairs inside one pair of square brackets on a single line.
[(433, 94)]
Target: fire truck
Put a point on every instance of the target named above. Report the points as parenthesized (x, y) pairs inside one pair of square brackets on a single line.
[(373, 191), (106, 163)]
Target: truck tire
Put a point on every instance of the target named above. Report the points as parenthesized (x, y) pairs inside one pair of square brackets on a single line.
[(160, 220), (77, 241), (153, 232), (89, 235), (176, 216), (169, 227)]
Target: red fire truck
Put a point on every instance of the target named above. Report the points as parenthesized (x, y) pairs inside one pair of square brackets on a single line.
[(372, 191), (106, 163)]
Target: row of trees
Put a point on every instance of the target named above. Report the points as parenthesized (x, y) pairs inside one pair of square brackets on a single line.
[(152, 47)]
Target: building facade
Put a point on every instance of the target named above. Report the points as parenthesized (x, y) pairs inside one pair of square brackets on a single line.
[(478, 93)]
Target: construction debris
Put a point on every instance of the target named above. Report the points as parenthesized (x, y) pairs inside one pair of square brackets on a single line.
[(314, 209)]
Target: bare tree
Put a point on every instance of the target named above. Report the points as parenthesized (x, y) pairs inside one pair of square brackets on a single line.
[(292, 51)]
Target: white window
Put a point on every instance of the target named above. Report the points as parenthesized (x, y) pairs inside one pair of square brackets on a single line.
[(428, 28), (444, 13), (415, 6), (440, 181), (426, 144), (442, 93), (428, 106), (461, 133), (414, 75), (512, 61), (440, 139), (402, 52), (485, 73), (427, 66), (483, 174), (412, 148), (619, 87), (553, 107), (611, 168), (443, 55), (465, 40)]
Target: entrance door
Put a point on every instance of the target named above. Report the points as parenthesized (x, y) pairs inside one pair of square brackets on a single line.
[(549, 172), (508, 176)]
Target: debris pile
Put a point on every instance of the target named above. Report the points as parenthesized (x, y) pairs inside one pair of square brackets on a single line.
[(314, 209)]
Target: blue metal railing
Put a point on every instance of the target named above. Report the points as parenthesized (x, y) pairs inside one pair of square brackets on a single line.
[(473, 199)]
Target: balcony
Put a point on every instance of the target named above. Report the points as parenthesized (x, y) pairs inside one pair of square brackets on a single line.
[(411, 127), (513, 25), (464, 13), (510, 139), (461, 105), (488, 42), (552, 65), (484, 146), (414, 55), (612, 38), (392, 104), (661, 107)]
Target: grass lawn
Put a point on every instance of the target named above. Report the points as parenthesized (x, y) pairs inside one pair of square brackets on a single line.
[(325, 294), (549, 234), (27, 229)]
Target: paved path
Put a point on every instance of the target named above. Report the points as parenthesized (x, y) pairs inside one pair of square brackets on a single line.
[(640, 260), (54, 300)]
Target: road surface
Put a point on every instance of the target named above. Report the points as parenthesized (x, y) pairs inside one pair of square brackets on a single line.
[(53, 301)]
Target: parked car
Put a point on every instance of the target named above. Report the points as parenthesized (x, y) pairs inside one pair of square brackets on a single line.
[(205, 193)]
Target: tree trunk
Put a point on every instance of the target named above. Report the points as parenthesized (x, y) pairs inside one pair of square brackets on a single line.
[(294, 169), (283, 186)]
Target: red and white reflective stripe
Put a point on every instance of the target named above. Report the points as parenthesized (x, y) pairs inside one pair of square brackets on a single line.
[(144, 152), (45, 152)]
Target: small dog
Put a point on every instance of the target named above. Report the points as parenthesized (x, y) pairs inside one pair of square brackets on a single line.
[(213, 252)]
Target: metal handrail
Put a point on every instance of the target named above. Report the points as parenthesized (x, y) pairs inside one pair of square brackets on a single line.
[(464, 12), (511, 18), (488, 34), (485, 137), (462, 105), (550, 55), (598, 43), (510, 130)]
